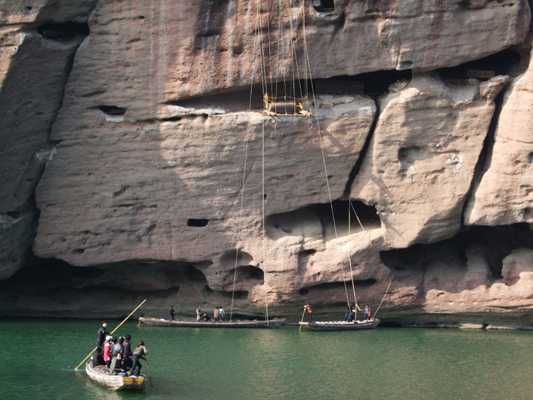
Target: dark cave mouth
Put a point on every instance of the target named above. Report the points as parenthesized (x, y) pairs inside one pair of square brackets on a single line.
[(493, 242), (64, 32), (322, 220)]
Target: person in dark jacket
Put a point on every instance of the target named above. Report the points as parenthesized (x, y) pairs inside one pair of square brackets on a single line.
[(348, 315), (126, 352), (100, 340), (172, 313)]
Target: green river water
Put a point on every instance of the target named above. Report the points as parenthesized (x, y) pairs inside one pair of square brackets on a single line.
[(211, 364)]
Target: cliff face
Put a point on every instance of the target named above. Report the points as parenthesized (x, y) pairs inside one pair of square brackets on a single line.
[(142, 118)]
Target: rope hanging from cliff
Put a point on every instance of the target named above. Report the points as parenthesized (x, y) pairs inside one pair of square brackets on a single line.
[(322, 152), (383, 298), (244, 171)]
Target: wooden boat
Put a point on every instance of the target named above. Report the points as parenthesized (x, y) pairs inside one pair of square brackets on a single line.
[(339, 325), (100, 375), (255, 324)]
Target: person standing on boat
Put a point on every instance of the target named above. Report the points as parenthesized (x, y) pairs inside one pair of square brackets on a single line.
[(126, 352), (138, 354), (116, 354), (107, 350), (172, 313), (198, 314), (100, 339), (308, 311), (349, 314), (367, 312), (216, 314), (222, 314)]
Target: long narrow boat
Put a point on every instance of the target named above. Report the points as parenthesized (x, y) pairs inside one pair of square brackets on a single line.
[(255, 324), (100, 375), (339, 325)]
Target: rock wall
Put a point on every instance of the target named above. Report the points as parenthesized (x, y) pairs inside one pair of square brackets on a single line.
[(148, 117)]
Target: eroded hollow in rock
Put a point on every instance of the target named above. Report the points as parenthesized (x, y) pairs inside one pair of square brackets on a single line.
[(244, 98), (197, 222), (234, 257), (501, 63), (250, 273), (492, 244), (322, 220), (44, 275), (113, 111), (324, 5), (63, 32)]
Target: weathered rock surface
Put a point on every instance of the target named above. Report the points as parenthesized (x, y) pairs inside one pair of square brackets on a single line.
[(38, 40), (15, 234), (153, 184), (177, 186), (422, 157), (505, 192)]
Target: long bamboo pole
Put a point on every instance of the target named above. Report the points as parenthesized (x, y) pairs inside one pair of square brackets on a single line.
[(112, 332)]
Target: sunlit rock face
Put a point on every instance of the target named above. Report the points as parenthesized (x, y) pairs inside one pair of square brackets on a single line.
[(421, 161), (505, 192), (148, 116)]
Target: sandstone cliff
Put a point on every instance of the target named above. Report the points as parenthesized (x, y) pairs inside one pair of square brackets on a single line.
[(132, 157)]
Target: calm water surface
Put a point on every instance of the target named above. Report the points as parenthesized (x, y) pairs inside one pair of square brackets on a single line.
[(37, 357)]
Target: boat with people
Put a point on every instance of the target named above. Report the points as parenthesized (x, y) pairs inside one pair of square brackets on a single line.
[(243, 324), (339, 325), (101, 375), (114, 363)]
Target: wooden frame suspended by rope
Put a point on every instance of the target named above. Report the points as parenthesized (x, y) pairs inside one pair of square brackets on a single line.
[(285, 106)]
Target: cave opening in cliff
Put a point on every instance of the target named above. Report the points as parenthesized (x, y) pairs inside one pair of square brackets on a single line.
[(321, 220), (197, 222), (502, 63), (324, 5), (63, 32), (250, 273), (113, 111), (476, 244)]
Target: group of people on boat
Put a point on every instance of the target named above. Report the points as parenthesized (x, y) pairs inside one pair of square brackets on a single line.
[(218, 314), (351, 313), (349, 316), (116, 354)]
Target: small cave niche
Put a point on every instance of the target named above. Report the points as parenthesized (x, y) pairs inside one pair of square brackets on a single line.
[(530, 157), (407, 156), (324, 5), (249, 273), (321, 220), (502, 63), (113, 111), (307, 253), (197, 222), (379, 83), (235, 257), (63, 32)]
